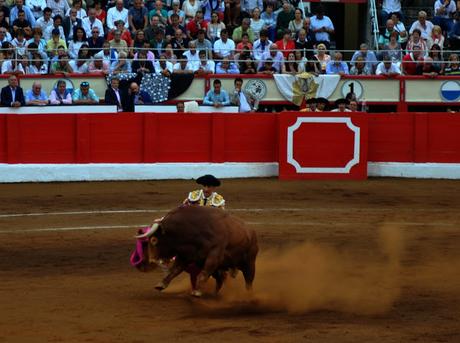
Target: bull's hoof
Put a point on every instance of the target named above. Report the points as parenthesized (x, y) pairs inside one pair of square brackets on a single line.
[(160, 286), (196, 293)]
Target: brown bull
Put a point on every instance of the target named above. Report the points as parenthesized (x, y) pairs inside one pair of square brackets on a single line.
[(208, 238)]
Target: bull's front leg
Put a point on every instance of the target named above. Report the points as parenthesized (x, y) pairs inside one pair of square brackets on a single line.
[(174, 271), (211, 264)]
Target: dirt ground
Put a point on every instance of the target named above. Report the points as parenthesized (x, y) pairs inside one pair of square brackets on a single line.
[(373, 261)]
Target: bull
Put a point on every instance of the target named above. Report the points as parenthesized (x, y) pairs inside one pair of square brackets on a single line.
[(205, 239)]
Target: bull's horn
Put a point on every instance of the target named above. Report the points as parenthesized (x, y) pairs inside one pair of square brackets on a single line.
[(149, 233)]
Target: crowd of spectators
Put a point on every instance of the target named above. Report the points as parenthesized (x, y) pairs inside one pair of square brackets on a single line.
[(213, 36)]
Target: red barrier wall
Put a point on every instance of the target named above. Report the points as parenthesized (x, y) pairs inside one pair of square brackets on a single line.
[(137, 138)]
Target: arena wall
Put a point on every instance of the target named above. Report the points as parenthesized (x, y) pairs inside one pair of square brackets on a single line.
[(53, 147)]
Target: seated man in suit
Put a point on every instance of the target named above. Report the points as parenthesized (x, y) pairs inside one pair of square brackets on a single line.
[(12, 95), (135, 97), (113, 94)]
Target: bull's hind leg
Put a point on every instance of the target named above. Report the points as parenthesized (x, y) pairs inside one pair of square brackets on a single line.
[(175, 270), (220, 276)]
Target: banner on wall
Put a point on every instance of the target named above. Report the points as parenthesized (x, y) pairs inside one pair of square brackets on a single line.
[(296, 88)]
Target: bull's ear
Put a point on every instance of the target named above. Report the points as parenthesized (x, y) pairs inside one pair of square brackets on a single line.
[(153, 240)]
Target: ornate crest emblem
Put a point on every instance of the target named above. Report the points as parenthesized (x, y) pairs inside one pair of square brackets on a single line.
[(256, 88)]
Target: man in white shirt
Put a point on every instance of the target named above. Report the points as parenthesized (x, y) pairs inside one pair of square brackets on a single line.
[(91, 21), (389, 7), (387, 67), (5, 36), (276, 56), (192, 56), (240, 99), (224, 47), (261, 45), (45, 21), (117, 13), (59, 7), (37, 7), (425, 26), (322, 27), (79, 66), (163, 66), (443, 14), (206, 66)]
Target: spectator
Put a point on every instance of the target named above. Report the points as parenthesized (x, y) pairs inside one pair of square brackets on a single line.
[(79, 38), (139, 40), (28, 15), (232, 11), (158, 44), (226, 67), (322, 57), (61, 66), (241, 98), (270, 18), (60, 95), (79, 65), (411, 60), (113, 94), (436, 37), (311, 65), (198, 23), (169, 53), (101, 14), (19, 43), (341, 105), (59, 7), (389, 29), (296, 24), (163, 66), (99, 65), (108, 54), (387, 67), (337, 66), (213, 5), (425, 26), (245, 43), (38, 40), (183, 67), (201, 42), (426, 68), (304, 44), (436, 54), (257, 24), (141, 65), (454, 34), (95, 42), (206, 66), (55, 42), (274, 56), (150, 55), (179, 43), (12, 95), (215, 26), (192, 56), (224, 47), (70, 23), (353, 105), (217, 97), (4, 35), (123, 65), (393, 48), (177, 11), (85, 95), (36, 96), (321, 104), (290, 66), (240, 30), (153, 28), (77, 6), (368, 56), (91, 21), (262, 45), (119, 44), (190, 7), (137, 17), (57, 25), (160, 12), (286, 44), (21, 23), (416, 41), (246, 63), (6, 13), (444, 11), (116, 14), (400, 29), (360, 67), (266, 67), (180, 107), (38, 66), (125, 34), (135, 97), (390, 7), (453, 66), (45, 21), (284, 18), (322, 27)]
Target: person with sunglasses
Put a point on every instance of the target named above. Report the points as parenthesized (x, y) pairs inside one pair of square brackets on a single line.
[(85, 95)]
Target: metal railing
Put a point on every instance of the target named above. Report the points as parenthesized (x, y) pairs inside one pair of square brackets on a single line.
[(373, 16)]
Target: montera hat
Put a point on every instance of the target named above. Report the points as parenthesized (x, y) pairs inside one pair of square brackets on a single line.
[(312, 101), (322, 100), (208, 180), (341, 101)]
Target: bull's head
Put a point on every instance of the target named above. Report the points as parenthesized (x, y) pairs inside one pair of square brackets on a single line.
[(145, 256)]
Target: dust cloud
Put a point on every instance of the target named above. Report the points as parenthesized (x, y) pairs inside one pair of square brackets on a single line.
[(310, 277)]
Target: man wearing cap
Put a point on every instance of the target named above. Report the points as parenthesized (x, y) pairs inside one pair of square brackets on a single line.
[(206, 196), (341, 105), (84, 95)]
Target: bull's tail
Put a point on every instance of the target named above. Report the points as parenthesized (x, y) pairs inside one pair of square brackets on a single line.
[(249, 269)]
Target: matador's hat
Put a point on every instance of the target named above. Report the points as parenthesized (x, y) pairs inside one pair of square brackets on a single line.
[(208, 180)]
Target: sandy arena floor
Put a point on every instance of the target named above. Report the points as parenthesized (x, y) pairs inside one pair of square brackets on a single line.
[(374, 261)]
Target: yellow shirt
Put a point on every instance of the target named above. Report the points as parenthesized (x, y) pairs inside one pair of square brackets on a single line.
[(197, 197)]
